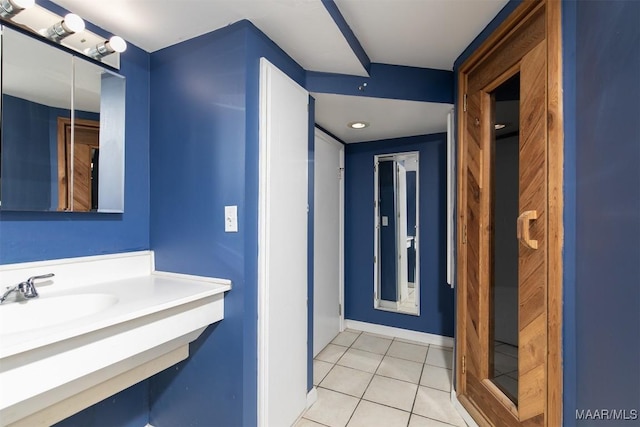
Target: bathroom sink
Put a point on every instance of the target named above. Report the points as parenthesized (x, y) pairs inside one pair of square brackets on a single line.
[(49, 311)]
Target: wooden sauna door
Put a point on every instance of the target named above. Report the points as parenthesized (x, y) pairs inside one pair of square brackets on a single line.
[(521, 56)]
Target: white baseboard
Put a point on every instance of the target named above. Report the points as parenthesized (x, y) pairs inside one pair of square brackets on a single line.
[(312, 396), (461, 410), (406, 334)]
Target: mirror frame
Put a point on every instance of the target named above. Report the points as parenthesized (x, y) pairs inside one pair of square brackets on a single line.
[(378, 302), (111, 130)]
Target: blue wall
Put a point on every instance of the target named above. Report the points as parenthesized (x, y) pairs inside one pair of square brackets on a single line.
[(204, 155), (26, 158), (607, 209), (129, 408), (436, 297)]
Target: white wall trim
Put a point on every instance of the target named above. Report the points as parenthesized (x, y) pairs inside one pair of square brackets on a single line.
[(312, 396), (406, 334), (461, 410), (263, 291)]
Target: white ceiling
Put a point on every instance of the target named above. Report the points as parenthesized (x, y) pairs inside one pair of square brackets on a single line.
[(388, 118), (419, 33)]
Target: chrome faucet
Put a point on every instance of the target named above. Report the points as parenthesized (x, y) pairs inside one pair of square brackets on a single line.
[(26, 289)]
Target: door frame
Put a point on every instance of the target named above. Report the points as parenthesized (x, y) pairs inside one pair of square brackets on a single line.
[(555, 138), (320, 134)]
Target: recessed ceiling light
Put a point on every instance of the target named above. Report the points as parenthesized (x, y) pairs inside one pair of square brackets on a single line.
[(358, 125), (499, 126)]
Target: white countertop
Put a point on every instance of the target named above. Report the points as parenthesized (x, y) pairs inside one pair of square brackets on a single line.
[(137, 297)]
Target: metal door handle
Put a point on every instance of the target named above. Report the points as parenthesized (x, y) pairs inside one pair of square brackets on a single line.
[(523, 229)]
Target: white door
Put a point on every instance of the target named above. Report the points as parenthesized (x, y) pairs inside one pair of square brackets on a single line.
[(282, 248), (327, 240)]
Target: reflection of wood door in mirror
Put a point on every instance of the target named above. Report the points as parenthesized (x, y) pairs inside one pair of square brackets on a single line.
[(523, 399), (83, 168)]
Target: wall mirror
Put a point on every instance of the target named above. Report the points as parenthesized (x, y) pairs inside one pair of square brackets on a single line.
[(396, 257), (62, 130)]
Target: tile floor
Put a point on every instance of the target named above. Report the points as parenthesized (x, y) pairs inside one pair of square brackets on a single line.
[(367, 380), (505, 364)]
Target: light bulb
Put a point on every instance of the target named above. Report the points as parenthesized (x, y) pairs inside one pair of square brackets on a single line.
[(358, 125), (73, 23), (118, 44)]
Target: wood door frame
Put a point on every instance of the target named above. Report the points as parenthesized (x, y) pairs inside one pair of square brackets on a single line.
[(555, 135), (65, 165)]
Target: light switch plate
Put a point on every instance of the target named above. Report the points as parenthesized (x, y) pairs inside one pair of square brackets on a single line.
[(231, 219)]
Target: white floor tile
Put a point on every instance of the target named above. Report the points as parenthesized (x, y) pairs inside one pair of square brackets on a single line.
[(345, 374), (320, 370), (508, 384), (411, 342), (359, 359), (372, 344), (370, 414), (347, 380), (391, 392), (373, 334), (331, 353), (332, 409), (442, 347), (345, 338), (400, 369), (503, 363), (436, 404), (303, 422), (418, 421), (435, 377), (507, 349), (440, 357), (403, 350)]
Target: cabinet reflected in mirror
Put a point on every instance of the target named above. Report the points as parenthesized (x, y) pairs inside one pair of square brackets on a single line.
[(396, 258), (62, 130)]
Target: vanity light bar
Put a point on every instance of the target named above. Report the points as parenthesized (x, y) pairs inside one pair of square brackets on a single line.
[(10, 8), (68, 31)]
